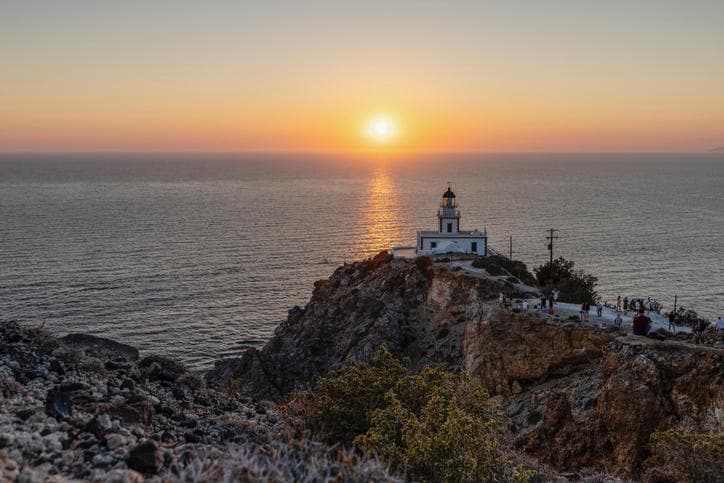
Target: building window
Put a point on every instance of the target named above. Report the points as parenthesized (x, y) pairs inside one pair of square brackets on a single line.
[(449, 227), (474, 247), (433, 245)]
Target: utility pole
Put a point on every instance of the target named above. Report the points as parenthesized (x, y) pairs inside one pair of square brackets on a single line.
[(511, 247), (675, 300), (550, 239)]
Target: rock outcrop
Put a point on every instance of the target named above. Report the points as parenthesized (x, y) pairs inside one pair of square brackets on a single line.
[(584, 397), (417, 309)]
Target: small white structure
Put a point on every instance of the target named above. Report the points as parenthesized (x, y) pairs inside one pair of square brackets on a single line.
[(449, 238)]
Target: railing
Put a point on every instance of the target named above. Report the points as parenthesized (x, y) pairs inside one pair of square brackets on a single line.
[(441, 213)]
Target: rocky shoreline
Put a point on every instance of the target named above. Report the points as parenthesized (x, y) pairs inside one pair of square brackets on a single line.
[(579, 399)]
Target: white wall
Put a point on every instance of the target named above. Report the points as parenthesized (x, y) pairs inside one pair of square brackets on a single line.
[(455, 225), (463, 245)]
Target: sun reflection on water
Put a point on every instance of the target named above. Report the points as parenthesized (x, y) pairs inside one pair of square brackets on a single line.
[(380, 215)]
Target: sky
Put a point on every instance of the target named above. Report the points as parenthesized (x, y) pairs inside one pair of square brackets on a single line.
[(537, 75)]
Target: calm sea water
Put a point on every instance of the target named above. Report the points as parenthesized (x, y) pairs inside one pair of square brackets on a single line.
[(201, 256)]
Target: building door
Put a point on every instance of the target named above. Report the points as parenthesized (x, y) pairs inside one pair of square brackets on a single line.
[(449, 227), (474, 247)]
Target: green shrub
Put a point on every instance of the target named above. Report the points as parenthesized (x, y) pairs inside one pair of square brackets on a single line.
[(575, 286), (691, 318), (433, 425), (684, 456)]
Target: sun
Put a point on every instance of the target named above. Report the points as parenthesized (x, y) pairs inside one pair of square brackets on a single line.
[(381, 129)]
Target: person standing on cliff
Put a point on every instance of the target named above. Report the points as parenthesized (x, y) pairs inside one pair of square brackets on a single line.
[(618, 304), (625, 305), (599, 309), (641, 323), (543, 303), (719, 326), (556, 294)]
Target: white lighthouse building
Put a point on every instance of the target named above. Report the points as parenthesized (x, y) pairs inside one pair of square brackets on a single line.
[(449, 238)]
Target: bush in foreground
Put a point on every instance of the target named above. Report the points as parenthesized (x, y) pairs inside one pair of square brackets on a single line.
[(685, 456), (575, 286), (432, 425)]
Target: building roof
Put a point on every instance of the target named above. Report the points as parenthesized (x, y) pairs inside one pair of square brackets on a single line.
[(448, 193), (460, 234)]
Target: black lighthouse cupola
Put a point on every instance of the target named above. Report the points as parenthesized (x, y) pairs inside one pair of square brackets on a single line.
[(448, 214)]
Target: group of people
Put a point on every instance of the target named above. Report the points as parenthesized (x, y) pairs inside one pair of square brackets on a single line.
[(547, 303), (633, 304), (586, 309), (641, 322)]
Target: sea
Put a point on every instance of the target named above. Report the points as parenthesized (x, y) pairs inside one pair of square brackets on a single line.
[(200, 256)]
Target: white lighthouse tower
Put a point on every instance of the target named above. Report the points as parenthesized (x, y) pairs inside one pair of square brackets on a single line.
[(449, 238), (448, 214)]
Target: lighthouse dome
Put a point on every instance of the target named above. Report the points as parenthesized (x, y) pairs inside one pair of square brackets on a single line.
[(448, 193)]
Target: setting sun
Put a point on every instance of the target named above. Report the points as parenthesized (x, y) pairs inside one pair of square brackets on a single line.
[(381, 129)]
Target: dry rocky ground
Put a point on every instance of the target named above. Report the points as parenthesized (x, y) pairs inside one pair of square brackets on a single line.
[(84, 408)]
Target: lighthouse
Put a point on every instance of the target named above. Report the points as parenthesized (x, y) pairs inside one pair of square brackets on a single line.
[(449, 238)]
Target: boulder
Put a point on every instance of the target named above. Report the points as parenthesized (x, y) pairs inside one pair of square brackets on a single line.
[(145, 458), (160, 368), (58, 404)]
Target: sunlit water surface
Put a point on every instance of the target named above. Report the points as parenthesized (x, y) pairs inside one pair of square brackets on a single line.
[(201, 256)]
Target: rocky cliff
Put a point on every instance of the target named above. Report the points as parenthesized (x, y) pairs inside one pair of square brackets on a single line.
[(578, 396), (417, 309), (584, 397)]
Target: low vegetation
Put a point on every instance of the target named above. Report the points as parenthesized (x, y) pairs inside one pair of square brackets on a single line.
[(684, 456), (280, 461), (690, 318), (432, 425), (575, 286)]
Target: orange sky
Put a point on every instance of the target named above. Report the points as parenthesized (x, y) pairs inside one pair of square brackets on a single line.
[(567, 76)]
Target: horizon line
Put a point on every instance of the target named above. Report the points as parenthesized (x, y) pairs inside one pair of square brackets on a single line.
[(347, 152)]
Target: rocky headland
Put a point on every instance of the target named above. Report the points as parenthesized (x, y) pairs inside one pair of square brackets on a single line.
[(579, 398)]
